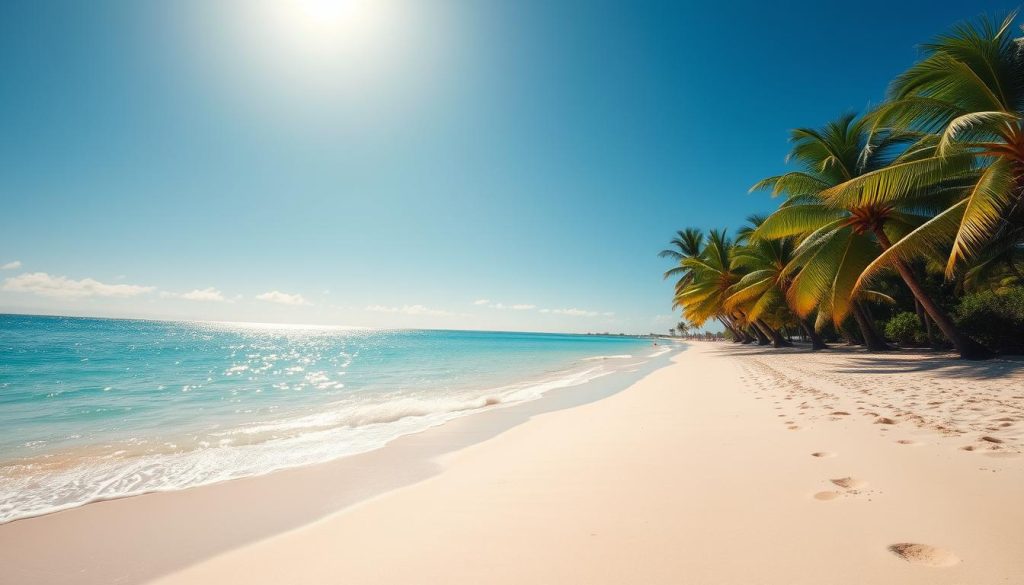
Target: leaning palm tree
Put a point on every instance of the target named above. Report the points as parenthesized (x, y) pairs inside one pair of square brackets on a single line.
[(967, 97), (768, 277), (715, 272), (840, 236), (688, 243), (710, 276), (826, 157)]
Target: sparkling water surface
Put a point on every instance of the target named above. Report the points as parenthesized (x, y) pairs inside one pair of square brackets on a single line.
[(99, 408)]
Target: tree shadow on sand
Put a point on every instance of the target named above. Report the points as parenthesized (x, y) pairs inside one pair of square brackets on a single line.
[(857, 360)]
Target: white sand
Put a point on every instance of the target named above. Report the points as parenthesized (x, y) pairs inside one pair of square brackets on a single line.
[(727, 467)]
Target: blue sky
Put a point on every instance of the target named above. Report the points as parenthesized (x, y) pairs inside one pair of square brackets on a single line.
[(467, 164)]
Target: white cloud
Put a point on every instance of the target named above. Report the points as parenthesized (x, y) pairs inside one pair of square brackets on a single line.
[(41, 283), (517, 307), (576, 312), (206, 294), (573, 312), (13, 265), (407, 310), (279, 297)]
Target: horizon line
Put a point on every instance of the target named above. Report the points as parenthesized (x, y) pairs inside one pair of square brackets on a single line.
[(4, 312)]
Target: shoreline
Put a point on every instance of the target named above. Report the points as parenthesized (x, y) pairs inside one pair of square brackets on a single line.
[(103, 424), (733, 464), (85, 535)]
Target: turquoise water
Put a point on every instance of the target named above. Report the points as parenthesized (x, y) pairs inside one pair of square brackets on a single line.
[(100, 408)]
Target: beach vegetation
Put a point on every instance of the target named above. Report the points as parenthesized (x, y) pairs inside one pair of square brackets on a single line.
[(912, 212), (996, 319), (905, 329)]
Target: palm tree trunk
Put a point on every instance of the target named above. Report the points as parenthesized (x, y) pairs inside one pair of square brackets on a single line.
[(736, 338), (744, 330), (816, 341), (732, 332), (850, 334), (926, 323), (745, 337), (775, 336), (762, 339), (873, 340), (965, 346), (738, 334)]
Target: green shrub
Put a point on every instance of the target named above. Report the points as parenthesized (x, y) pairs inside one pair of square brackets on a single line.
[(905, 329), (994, 320)]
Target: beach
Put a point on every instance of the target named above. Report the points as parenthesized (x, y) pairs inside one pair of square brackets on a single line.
[(380, 292), (734, 464)]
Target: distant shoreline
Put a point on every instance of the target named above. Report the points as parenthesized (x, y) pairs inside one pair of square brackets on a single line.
[(321, 326)]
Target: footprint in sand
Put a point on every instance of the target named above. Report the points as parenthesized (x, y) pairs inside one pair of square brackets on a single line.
[(909, 442), (1002, 454), (850, 483), (924, 554), (884, 421), (822, 454)]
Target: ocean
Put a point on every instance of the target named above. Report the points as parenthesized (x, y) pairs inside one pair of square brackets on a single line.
[(93, 409)]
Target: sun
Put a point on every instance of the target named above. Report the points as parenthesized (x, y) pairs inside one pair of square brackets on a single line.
[(332, 29), (309, 64)]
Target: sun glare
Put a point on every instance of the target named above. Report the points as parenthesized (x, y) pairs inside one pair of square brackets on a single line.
[(321, 65), (313, 49), (331, 29)]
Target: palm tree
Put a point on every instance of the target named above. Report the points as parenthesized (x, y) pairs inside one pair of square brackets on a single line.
[(714, 273), (709, 276), (842, 237), (967, 97), (999, 267), (688, 243), (683, 327), (746, 231), (763, 288)]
